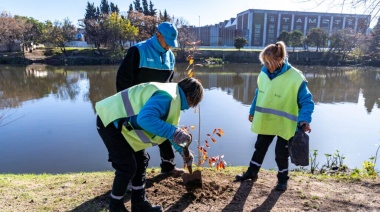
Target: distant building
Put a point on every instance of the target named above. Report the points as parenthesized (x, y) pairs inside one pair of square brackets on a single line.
[(262, 27)]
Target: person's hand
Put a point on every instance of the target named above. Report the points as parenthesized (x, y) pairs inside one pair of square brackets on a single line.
[(188, 161), (181, 137), (307, 126), (250, 118)]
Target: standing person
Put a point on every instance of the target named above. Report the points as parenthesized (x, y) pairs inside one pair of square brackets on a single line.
[(152, 61), (282, 101), (137, 118)]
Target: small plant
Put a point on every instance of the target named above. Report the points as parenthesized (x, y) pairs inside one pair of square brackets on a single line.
[(313, 161), (216, 161)]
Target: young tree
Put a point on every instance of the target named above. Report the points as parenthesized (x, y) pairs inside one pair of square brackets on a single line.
[(285, 37), (295, 39), (60, 33), (240, 42), (317, 37)]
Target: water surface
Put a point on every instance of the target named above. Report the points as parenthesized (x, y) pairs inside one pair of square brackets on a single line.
[(53, 128)]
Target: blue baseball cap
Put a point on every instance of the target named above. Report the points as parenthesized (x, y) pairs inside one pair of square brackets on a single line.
[(169, 32)]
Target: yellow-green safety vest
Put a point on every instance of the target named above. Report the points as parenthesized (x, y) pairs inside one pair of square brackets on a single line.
[(276, 110), (129, 102)]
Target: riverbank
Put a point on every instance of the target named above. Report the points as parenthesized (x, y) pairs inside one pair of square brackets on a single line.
[(90, 191), (94, 57)]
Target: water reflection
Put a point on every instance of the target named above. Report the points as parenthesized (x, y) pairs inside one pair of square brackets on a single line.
[(57, 134), (328, 85)]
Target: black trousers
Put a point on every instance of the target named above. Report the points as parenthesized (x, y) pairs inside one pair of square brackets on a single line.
[(282, 155), (167, 156), (129, 165)]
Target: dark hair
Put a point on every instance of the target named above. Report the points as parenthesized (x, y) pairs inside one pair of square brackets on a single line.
[(274, 54), (193, 90)]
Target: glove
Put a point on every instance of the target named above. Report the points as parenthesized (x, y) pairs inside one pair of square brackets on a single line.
[(188, 160), (181, 137)]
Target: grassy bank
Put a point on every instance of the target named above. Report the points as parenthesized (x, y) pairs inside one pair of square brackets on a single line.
[(90, 191)]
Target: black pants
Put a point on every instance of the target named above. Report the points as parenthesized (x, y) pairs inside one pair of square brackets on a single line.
[(129, 165), (167, 156), (282, 155)]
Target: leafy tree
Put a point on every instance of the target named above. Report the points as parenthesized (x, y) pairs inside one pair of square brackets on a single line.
[(138, 7), (285, 37), (90, 11), (152, 11), (374, 47), (130, 8), (119, 29), (317, 37), (296, 39), (166, 16), (104, 7), (60, 33), (342, 41), (12, 29), (240, 42), (146, 24), (114, 8), (145, 7)]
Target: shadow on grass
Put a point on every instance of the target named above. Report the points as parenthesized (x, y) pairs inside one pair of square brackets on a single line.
[(101, 202)]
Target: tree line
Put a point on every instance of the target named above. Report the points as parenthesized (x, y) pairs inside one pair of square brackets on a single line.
[(104, 26)]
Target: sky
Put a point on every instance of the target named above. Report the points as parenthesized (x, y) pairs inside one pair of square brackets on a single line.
[(196, 12)]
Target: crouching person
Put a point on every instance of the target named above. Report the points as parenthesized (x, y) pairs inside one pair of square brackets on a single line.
[(139, 117)]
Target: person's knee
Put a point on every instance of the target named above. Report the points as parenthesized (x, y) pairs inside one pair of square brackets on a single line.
[(126, 169)]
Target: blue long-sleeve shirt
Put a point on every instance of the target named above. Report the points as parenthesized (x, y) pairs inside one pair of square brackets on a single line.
[(153, 114), (304, 97)]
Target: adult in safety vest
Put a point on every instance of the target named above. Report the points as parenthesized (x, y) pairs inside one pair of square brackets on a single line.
[(282, 101), (139, 117), (152, 60)]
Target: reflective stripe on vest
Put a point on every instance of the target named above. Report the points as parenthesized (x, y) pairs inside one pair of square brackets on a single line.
[(276, 111), (129, 102)]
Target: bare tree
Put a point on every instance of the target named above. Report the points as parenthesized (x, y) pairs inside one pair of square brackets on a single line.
[(371, 7), (185, 35)]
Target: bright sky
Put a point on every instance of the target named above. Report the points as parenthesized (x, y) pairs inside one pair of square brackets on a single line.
[(203, 12)]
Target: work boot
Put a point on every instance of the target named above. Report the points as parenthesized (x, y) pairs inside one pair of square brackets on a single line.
[(250, 174), (282, 181), (141, 204), (281, 186), (117, 205), (175, 172), (246, 176)]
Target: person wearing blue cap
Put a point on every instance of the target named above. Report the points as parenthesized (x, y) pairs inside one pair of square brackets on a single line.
[(152, 61)]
